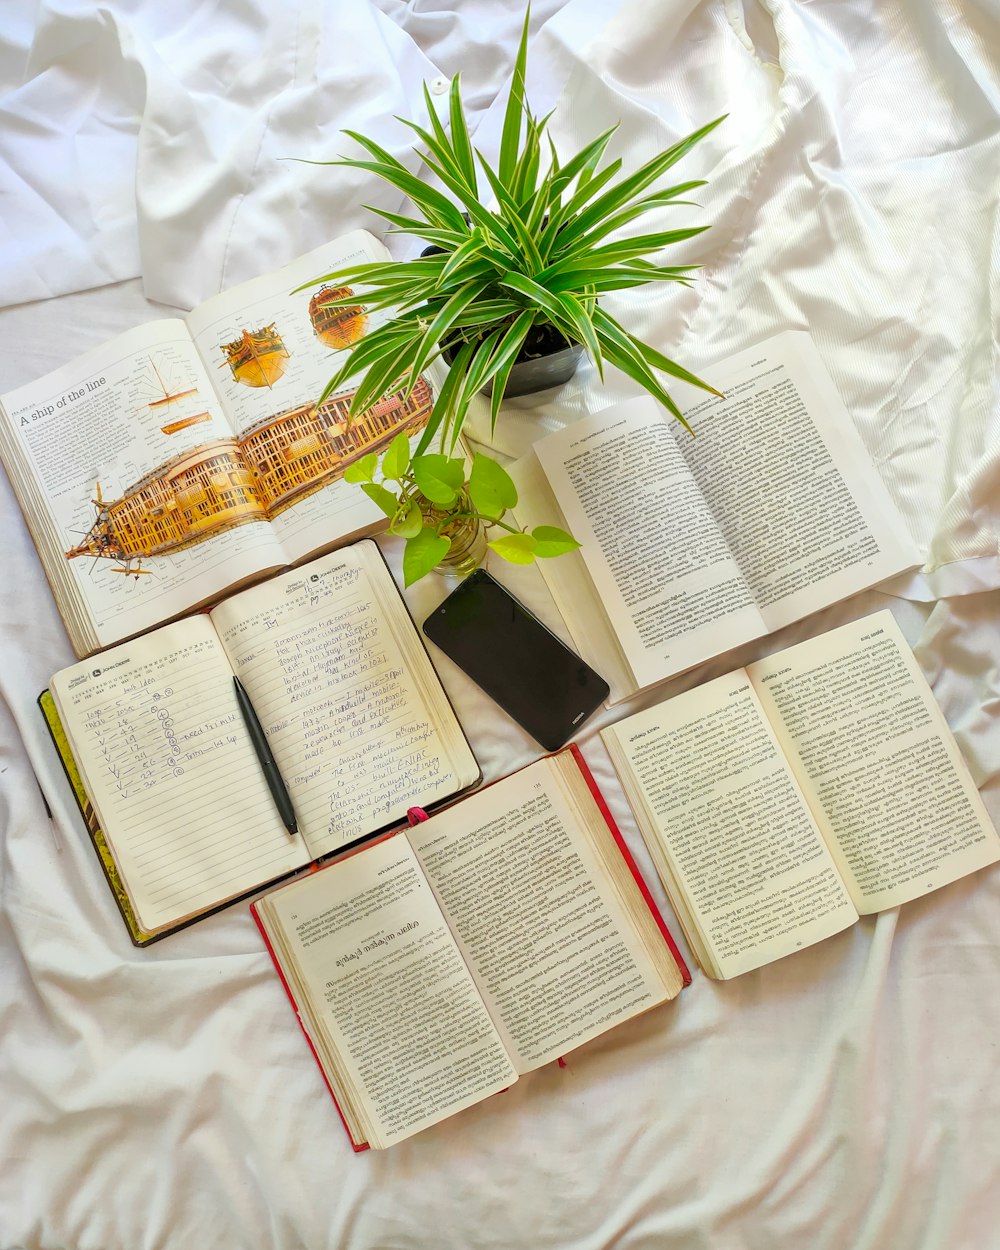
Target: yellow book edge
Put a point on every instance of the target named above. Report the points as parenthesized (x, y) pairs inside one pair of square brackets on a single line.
[(139, 936)]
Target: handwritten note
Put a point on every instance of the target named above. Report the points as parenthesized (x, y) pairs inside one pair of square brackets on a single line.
[(172, 773), (346, 717)]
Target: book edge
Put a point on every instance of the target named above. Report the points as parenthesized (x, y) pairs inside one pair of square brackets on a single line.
[(630, 863), (357, 1147)]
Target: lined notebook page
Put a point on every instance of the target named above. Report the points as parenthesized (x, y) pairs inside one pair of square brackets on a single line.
[(350, 716), (172, 774)]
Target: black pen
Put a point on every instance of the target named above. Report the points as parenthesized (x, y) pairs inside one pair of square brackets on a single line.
[(270, 769)]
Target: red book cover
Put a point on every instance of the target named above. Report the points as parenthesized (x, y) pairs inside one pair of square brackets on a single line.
[(415, 816), (356, 1146), (633, 868)]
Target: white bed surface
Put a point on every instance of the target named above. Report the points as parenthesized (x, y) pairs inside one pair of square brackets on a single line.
[(844, 1098)]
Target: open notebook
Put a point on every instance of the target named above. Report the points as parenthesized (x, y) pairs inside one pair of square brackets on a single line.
[(351, 707)]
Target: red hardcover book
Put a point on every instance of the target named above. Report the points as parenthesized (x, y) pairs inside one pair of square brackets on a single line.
[(430, 969)]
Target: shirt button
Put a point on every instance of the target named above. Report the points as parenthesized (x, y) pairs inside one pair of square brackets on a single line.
[(439, 85)]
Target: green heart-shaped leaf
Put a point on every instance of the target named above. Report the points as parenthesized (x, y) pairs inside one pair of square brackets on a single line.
[(490, 487), (422, 553), (552, 541), (515, 548), (362, 470), (385, 499), (396, 459), (409, 523), (438, 477)]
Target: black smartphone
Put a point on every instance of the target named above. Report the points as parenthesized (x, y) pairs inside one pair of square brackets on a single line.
[(521, 664)]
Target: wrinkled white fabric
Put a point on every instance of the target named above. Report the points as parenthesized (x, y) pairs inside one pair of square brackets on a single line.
[(169, 142), (842, 1099), (833, 208)]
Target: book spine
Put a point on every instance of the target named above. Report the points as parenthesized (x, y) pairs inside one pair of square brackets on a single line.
[(357, 1147), (630, 863), (138, 936)]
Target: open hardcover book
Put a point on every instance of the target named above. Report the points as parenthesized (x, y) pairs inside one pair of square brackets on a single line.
[(431, 969), (351, 707), (782, 800), (187, 457), (694, 545)]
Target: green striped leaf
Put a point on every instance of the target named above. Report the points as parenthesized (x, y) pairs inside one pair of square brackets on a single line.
[(587, 159), (439, 327), (625, 249), (621, 352), (665, 364), (511, 133), (485, 312), (512, 215), (478, 372), (532, 290), (630, 187), (437, 208), (444, 404), (460, 136), (552, 236), (578, 317)]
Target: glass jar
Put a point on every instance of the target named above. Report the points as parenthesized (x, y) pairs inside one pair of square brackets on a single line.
[(468, 546), (467, 535)]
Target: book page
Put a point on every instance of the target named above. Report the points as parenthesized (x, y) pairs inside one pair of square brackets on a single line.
[(548, 942), (728, 826), (583, 624), (875, 756), (352, 708), (272, 353), (384, 994), (659, 563), (132, 485), (789, 480), (172, 774)]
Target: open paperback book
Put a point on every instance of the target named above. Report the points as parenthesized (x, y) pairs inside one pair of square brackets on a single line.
[(187, 457), (351, 707), (429, 970), (782, 800), (693, 545)]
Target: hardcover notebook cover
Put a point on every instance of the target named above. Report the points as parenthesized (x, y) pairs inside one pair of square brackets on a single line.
[(138, 935)]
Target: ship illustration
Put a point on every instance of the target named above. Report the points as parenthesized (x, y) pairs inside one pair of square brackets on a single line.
[(166, 396), (182, 423), (336, 327), (230, 482), (257, 357), (188, 498)]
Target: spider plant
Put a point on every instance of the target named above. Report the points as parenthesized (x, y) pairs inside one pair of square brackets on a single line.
[(529, 269)]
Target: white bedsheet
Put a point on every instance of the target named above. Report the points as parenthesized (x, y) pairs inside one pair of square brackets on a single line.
[(843, 1098)]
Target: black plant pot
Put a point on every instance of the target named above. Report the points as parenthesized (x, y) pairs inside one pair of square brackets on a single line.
[(552, 360), (539, 373)]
